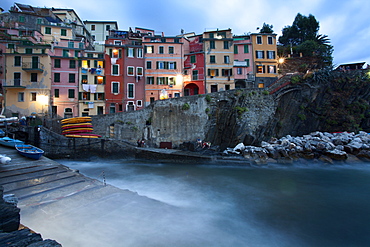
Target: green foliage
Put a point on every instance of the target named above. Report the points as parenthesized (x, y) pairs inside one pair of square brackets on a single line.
[(134, 128), (295, 79), (128, 123), (208, 98), (238, 92), (266, 28), (186, 106), (240, 110), (301, 116), (207, 110), (265, 92)]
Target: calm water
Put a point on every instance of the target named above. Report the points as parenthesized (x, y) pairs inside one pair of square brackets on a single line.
[(274, 205)]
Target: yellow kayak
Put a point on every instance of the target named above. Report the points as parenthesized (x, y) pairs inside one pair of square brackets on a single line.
[(75, 120)]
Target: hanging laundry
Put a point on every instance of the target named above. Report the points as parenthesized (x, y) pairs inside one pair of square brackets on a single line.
[(86, 87), (98, 71), (91, 105), (92, 70), (93, 88), (84, 70)]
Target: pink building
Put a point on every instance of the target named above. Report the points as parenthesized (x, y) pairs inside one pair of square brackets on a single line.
[(243, 62)]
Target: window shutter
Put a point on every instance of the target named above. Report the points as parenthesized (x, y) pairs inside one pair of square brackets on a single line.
[(120, 53), (95, 64), (110, 52), (95, 80), (157, 64), (166, 80), (88, 63), (175, 65), (79, 96), (165, 65)]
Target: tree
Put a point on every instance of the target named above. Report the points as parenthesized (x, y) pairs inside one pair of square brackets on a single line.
[(266, 28), (303, 38)]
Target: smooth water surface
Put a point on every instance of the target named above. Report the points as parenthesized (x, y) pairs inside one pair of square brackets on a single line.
[(274, 205)]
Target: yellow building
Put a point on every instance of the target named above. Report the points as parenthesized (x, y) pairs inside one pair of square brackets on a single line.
[(27, 81), (265, 58), (219, 59)]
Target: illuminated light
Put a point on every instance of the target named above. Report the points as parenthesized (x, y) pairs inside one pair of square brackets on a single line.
[(163, 94), (179, 79), (281, 60), (115, 51), (43, 99)]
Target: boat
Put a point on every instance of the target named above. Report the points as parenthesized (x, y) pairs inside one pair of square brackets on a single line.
[(83, 135), (29, 151), (76, 120), (9, 142)]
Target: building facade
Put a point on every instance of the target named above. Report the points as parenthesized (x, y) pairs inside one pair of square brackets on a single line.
[(243, 62)]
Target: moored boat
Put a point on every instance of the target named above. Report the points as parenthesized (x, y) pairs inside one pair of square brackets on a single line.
[(29, 151), (9, 142)]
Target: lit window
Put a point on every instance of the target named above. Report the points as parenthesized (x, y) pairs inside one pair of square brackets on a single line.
[(130, 52), (271, 54), (260, 54), (33, 96)]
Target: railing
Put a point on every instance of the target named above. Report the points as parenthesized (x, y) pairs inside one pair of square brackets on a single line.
[(33, 66), (13, 83)]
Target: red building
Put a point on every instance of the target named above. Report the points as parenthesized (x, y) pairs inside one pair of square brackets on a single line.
[(194, 67)]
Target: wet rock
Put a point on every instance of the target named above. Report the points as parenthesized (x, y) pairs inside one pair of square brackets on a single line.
[(336, 154)]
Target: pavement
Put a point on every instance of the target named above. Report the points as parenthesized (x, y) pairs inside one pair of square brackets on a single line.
[(75, 210)]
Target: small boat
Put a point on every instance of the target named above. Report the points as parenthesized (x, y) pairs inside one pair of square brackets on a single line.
[(9, 142), (29, 151)]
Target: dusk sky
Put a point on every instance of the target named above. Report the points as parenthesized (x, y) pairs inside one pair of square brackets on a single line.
[(347, 23)]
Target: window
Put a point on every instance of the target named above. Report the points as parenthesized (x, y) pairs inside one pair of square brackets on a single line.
[(71, 44), (39, 21), (247, 60), (81, 45), (28, 50), (21, 19), (115, 53), (90, 55), (21, 97), (212, 44), (71, 93), (130, 52), (270, 40), (193, 59), (65, 53), (259, 40), (72, 78), (72, 64), (117, 42), (139, 103), (170, 50), (139, 53), (17, 60), (226, 45), (99, 80), (171, 65), (172, 80), (260, 69), (149, 49), (226, 72), (235, 49), (47, 30), (33, 77), (261, 85), (239, 71), (160, 65), (214, 88), (99, 96), (115, 69), (63, 32), (226, 59), (272, 69), (271, 54), (11, 46), (112, 108), (107, 27), (56, 77), (17, 78), (139, 71), (33, 96), (56, 93), (92, 27), (195, 75), (212, 59), (115, 87), (84, 79), (246, 49), (76, 53), (149, 64), (212, 72), (260, 54), (130, 70), (211, 35), (160, 51), (161, 81), (57, 63), (130, 90), (150, 80)]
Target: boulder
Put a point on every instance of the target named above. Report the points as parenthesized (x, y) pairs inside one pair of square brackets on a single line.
[(336, 154)]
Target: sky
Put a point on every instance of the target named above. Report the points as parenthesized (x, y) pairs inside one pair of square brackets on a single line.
[(347, 23)]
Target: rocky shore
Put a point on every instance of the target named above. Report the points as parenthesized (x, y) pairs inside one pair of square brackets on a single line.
[(323, 146), (12, 233)]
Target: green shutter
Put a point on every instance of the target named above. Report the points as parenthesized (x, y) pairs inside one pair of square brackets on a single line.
[(246, 49), (120, 53), (235, 49), (110, 52)]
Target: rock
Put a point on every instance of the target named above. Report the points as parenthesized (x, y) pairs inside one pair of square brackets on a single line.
[(336, 154), (364, 155), (9, 215), (326, 159), (240, 147)]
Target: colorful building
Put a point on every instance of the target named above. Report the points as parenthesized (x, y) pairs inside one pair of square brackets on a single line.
[(243, 62), (164, 59), (219, 57), (265, 58)]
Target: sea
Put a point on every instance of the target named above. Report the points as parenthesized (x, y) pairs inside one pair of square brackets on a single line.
[(235, 204)]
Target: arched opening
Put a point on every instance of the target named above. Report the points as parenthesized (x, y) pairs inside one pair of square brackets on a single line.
[(240, 84), (191, 89)]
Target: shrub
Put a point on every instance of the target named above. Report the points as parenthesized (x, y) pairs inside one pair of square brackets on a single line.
[(186, 106), (208, 98)]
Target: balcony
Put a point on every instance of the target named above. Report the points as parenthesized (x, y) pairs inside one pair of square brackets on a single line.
[(14, 83), (33, 67), (241, 64)]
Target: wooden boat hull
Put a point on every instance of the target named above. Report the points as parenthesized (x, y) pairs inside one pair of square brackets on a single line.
[(29, 151), (10, 142)]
